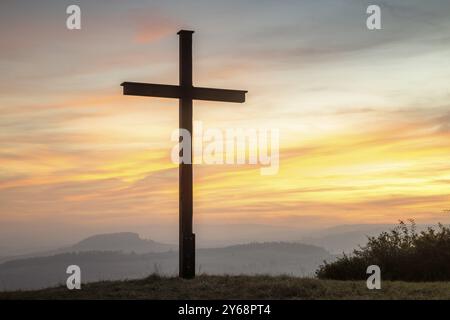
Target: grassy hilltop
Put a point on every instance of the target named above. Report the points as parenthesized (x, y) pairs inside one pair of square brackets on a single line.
[(239, 287)]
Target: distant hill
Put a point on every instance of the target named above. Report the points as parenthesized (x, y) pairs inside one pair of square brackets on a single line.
[(256, 258), (126, 242)]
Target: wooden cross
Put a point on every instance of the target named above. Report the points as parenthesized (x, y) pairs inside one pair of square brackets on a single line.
[(185, 92)]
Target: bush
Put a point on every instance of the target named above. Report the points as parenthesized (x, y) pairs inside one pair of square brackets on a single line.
[(402, 254)]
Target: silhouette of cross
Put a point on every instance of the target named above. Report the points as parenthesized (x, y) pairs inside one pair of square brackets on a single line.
[(185, 92)]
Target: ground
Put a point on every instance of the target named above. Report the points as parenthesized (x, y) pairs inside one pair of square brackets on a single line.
[(239, 287)]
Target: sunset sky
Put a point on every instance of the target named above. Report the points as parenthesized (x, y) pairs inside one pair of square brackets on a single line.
[(364, 116)]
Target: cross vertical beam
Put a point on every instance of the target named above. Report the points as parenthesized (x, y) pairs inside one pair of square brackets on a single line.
[(186, 236)]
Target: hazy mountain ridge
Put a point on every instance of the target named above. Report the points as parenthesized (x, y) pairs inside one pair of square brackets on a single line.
[(126, 242), (333, 239)]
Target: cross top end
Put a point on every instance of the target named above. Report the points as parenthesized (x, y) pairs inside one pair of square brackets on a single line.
[(185, 32)]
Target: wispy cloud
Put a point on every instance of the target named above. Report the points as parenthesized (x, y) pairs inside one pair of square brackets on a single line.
[(151, 24)]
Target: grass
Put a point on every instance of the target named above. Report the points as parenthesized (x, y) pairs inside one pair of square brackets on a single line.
[(239, 287)]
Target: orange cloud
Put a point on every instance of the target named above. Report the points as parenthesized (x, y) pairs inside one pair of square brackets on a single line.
[(152, 26)]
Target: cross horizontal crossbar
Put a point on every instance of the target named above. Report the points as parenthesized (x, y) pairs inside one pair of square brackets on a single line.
[(178, 92)]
